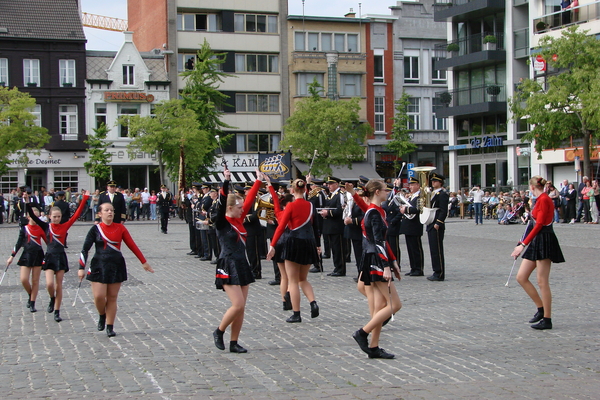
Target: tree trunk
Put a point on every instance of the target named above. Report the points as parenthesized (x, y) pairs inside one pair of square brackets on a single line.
[(181, 168), (161, 168), (586, 154)]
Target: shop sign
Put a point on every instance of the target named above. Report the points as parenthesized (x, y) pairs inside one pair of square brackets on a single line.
[(571, 154), (276, 165), (539, 64), (128, 97), (486, 141), (39, 161)]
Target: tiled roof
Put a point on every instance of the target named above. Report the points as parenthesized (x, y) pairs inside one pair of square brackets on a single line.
[(157, 69), (98, 62), (40, 19), (97, 66)]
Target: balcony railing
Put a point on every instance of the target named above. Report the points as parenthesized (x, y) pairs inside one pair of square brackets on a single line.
[(470, 44), (562, 19), (521, 42), (451, 2), (473, 95)]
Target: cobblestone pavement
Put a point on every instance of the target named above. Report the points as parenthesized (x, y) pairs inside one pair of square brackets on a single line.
[(466, 337)]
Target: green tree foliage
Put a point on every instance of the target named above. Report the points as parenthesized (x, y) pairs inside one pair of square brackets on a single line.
[(568, 107), (333, 128), (18, 132), (172, 129), (97, 166), (400, 141)]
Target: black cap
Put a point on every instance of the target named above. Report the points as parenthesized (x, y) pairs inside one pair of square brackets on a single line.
[(163, 186), (248, 185), (238, 188), (360, 186), (437, 177), (196, 185), (333, 179), (413, 180), (363, 178), (390, 186), (205, 185), (60, 193), (111, 183), (213, 190)]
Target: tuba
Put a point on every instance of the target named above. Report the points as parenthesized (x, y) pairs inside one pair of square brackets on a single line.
[(427, 214), (264, 208)]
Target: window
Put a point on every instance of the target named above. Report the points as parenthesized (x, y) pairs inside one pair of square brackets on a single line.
[(128, 75), (413, 110), (67, 72), (68, 121), (411, 69), (437, 75), (253, 142), (352, 43), (340, 42), (326, 41), (255, 23), (440, 124), (350, 85), (36, 111), (65, 179), (31, 72), (126, 109), (3, 71), (100, 109), (199, 22), (256, 63), (185, 62), (8, 182), (378, 68), (257, 103), (379, 114), (304, 80), (299, 41)]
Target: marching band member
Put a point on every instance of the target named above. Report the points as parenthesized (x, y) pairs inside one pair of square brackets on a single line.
[(333, 226), (413, 230), (233, 272), (435, 230), (107, 268)]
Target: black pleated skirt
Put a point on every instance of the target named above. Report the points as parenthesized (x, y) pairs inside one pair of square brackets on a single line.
[(372, 268), (31, 258), (279, 247), (233, 271), (107, 271), (301, 251), (544, 246), (56, 262)]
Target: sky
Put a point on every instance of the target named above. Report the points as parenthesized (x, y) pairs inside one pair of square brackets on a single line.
[(105, 40)]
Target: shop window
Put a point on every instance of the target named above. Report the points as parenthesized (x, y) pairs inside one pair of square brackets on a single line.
[(65, 179), (8, 182)]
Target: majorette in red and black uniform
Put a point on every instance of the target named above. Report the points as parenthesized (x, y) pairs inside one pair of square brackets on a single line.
[(377, 253), (233, 267), (108, 264), (303, 237), (540, 237), (278, 257), (30, 238), (56, 258)]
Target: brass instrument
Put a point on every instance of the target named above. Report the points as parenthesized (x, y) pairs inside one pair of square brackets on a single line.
[(315, 191), (400, 200), (427, 214), (347, 212), (265, 208)]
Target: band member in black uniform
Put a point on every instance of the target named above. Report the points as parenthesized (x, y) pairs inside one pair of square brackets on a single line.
[(435, 230), (22, 205), (210, 220), (254, 229), (116, 199), (300, 250), (233, 273), (353, 232), (204, 252), (63, 205), (164, 201), (413, 230), (316, 196), (333, 226), (271, 227), (394, 220), (190, 201)]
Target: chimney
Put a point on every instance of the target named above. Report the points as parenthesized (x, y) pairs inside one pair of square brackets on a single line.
[(128, 36), (350, 14)]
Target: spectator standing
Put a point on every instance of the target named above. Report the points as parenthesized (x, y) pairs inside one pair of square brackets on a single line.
[(477, 194), (145, 204), (152, 199)]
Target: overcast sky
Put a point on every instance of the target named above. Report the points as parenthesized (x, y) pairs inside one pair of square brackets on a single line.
[(98, 39)]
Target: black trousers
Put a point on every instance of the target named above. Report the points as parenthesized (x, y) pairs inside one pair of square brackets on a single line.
[(348, 249), (336, 242), (164, 219), (415, 253), (205, 250), (436, 248), (326, 246), (252, 250), (214, 243), (394, 242), (192, 234), (358, 249), (198, 240)]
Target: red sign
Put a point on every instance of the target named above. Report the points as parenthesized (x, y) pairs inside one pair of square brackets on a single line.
[(539, 64), (128, 97)]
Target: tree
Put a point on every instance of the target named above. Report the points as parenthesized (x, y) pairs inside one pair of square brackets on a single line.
[(18, 132), (97, 166), (400, 142), (331, 127), (172, 130), (567, 107)]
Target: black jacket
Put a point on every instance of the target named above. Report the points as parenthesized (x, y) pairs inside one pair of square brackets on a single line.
[(412, 227), (118, 203), (439, 200), (393, 217), (333, 224), (354, 230)]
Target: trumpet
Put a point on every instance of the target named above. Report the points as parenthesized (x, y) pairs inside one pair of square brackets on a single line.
[(264, 208), (400, 200)]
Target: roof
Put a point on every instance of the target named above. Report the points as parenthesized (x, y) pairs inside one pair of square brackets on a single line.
[(98, 62), (41, 19), (327, 19)]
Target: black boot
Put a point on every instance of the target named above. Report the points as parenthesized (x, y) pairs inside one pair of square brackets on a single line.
[(378, 352), (51, 305), (29, 301), (545, 323), (218, 337), (294, 318), (102, 322), (234, 347), (314, 309), (109, 331), (57, 317), (538, 316), (32, 306), (362, 338), (287, 302)]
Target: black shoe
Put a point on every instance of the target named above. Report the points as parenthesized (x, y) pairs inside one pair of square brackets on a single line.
[(545, 323), (218, 336), (314, 309), (110, 332), (326, 256), (57, 317), (386, 321), (415, 273), (32, 306), (204, 259), (198, 256), (407, 274), (378, 352), (435, 278), (294, 318), (213, 262), (355, 280), (29, 302), (257, 276), (51, 305), (274, 282), (236, 348), (537, 317), (191, 253), (363, 341), (287, 302), (101, 322), (314, 269), (336, 274)]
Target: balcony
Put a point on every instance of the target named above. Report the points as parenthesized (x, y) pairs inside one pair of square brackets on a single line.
[(476, 100), (462, 10), (521, 42), (562, 19), (471, 51)]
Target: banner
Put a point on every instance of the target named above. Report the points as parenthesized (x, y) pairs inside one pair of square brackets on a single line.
[(276, 165)]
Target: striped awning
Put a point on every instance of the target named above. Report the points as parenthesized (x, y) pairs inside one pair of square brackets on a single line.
[(236, 177)]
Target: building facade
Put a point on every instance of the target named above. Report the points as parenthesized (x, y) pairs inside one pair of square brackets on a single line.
[(42, 52), (120, 84)]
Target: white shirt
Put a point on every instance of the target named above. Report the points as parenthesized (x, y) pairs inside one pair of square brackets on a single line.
[(477, 195), (145, 198)]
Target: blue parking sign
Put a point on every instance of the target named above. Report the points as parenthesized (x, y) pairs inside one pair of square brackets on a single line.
[(411, 173)]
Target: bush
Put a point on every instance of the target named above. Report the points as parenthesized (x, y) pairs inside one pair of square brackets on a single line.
[(445, 98), (490, 39), (453, 47)]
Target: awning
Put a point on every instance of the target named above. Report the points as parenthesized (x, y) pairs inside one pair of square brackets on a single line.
[(236, 177), (345, 173)]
